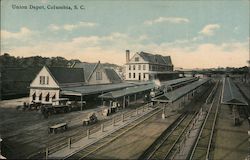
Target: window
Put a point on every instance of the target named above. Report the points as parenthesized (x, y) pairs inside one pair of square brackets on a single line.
[(144, 76), (134, 75), (153, 67), (98, 75), (139, 67), (34, 96), (40, 97), (47, 98), (42, 79), (129, 75), (133, 67), (136, 59), (129, 67), (144, 67), (47, 79)]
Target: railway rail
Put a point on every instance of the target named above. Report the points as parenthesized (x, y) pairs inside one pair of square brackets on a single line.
[(111, 137), (203, 145), (168, 142)]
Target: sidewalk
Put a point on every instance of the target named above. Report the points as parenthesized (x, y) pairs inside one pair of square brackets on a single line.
[(85, 142)]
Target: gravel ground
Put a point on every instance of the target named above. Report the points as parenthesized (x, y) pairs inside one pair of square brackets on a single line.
[(26, 132)]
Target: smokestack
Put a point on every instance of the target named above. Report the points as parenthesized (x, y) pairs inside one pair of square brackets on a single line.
[(127, 56)]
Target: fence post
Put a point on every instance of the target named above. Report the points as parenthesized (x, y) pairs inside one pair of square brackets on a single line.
[(69, 143), (113, 121), (163, 113), (102, 128), (46, 152), (88, 133), (123, 117)]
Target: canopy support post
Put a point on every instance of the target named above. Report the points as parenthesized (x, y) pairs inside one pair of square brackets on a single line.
[(81, 102)]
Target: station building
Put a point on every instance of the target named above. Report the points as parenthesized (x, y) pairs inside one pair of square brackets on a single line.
[(146, 66), (52, 82)]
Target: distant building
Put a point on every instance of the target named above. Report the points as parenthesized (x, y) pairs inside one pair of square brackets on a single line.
[(146, 66), (49, 82)]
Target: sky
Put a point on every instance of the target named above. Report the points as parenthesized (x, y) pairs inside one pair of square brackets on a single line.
[(196, 34)]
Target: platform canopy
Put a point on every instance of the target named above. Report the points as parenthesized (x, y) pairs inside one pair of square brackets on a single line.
[(93, 89), (231, 94), (180, 92), (127, 91), (178, 81), (141, 88)]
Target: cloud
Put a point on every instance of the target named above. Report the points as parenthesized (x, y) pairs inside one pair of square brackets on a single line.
[(54, 27), (70, 27), (210, 29), (22, 34), (175, 20), (111, 48)]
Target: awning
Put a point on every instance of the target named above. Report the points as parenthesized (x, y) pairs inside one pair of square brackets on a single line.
[(32, 92), (39, 93), (45, 94), (52, 94)]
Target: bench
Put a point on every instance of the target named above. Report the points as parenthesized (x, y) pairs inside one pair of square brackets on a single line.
[(61, 126)]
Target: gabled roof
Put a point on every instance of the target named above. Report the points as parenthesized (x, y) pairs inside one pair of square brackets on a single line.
[(87, 67), (112, 75), (67, 75), (156, 58), (167, 60)]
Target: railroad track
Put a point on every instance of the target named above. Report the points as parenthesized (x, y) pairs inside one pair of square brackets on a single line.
[(203, 144), (85, 152), (166, 145)]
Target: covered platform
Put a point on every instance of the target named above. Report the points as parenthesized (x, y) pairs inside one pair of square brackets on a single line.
[(231, 94), (173, 96), (145, 87), (127, 91), (123, 95), (178, 82), (93, 89), (90, 92)]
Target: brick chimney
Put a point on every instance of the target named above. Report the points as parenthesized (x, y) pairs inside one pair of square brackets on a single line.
[(127, 56)]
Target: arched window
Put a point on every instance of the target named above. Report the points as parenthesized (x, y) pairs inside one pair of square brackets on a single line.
[(47, 98), (40, 97), (34, 96)]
